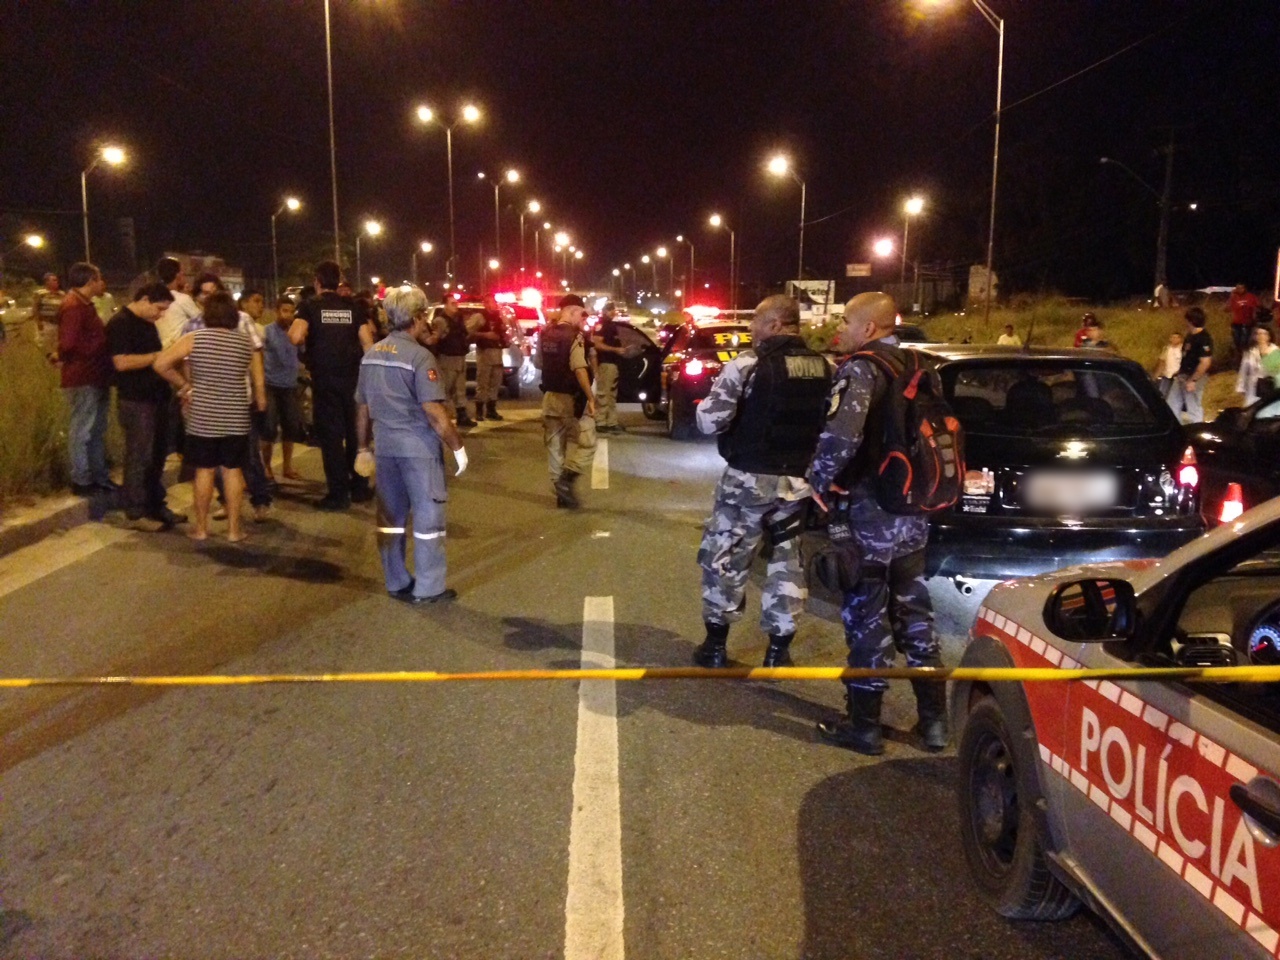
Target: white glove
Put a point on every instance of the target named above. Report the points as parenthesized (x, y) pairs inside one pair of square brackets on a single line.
[(364, 463), (460, 457)]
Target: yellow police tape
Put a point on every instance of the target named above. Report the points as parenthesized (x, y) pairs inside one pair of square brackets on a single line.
[(979, 674)]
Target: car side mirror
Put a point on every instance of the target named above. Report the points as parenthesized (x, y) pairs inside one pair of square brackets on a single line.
[(1092, 611)]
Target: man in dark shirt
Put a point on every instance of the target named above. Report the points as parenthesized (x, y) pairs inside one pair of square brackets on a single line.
[(608, 347), (1187, 390), (336, 332), (143, 407)]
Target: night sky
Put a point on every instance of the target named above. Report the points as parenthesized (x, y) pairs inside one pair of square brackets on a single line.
[(632, 122)]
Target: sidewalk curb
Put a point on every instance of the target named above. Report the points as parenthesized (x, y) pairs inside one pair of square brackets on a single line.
[(53, 516)]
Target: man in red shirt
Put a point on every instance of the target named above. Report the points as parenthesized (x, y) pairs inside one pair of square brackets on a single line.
[(1243, 307), (86, 378)]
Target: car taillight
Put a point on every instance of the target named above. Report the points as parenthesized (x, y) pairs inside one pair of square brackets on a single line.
[(1188, 472), (1233, 504), (694, 368)]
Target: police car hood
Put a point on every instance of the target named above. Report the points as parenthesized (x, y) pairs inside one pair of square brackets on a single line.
[(1262, 521)]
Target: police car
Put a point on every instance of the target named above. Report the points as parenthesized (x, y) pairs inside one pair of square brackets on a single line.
[(695, 353), (1155, 803)]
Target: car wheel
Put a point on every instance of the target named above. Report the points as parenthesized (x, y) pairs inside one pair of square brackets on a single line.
[(998, 825), (680, 425), (651, 411)]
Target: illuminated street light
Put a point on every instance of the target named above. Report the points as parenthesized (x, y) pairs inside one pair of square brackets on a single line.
[(912, 208), (425, 247), (883, 247), (293, 205), (111, 155), (780, 166), (470, 114), (562, 239), (33, 240), (511, 176), (372, 228), (493, 263), (577, 255), (718, 221), (533, 206)]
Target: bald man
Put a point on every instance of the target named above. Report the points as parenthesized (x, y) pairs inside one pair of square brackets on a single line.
[(890, 606), (767, 407)]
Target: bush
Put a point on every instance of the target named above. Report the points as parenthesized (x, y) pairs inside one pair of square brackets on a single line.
[(33, 422)]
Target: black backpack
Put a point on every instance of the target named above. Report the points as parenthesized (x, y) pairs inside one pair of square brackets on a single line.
[(921, 468)]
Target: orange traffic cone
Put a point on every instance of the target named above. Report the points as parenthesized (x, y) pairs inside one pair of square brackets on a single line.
[(1232, 504)]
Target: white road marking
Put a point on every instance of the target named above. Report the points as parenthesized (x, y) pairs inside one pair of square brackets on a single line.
[(593, 908), (600, 466), (26, 566)]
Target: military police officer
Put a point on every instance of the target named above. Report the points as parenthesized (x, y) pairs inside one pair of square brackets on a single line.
[(399, 391), (336, 332), (568, 406), (890, 606), (490, 340), (451, 350), (767, 406)]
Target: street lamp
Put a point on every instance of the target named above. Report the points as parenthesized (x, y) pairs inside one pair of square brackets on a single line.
[(883, 248), (780, 166), (647, 259), (292, 204), (470, 114), (425, 247), (997, 24), (533, 206), (681, 239), (671, 267), (627, 266), (372, 228), (491, 265), (33, 240), (718, 221), (113, 156), (537, 247), (513, 177), (912, 208)]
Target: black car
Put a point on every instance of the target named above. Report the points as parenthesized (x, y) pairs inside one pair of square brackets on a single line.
[(1071, 456), (639, 370), (695, 354), (1242, 446)]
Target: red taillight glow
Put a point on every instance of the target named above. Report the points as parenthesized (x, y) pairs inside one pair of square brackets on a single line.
[(1188, 473), (1233, 504), (694, 368)]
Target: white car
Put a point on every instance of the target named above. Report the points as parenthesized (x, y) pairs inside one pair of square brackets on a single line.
[(1157, 803)]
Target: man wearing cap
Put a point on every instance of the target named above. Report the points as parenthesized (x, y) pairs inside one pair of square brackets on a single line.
[(400, 394), (568, 407), (609, 352)]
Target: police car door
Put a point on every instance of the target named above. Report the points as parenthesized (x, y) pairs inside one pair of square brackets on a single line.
[(1155, 822)]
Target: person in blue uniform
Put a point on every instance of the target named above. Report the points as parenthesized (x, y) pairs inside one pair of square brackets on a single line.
[(399, 393)]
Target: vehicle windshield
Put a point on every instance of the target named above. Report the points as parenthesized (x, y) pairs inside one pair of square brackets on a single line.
[(1019, 397), (721, 338)]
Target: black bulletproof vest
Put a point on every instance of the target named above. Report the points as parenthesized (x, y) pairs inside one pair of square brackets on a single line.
[(333, 334), (454, 343), (782, 415), (557, 343), (866, 462)]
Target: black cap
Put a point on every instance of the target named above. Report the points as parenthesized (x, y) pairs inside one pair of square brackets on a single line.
[(571, 300)]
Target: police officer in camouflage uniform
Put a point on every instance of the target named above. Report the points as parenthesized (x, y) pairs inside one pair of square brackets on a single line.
[(890, 607), (767, 406)]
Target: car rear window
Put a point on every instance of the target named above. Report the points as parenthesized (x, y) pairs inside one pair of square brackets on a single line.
[(1027, 398), (720, 338)]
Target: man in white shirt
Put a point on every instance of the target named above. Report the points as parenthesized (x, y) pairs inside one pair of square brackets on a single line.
[(1008, 338), (183, 309)]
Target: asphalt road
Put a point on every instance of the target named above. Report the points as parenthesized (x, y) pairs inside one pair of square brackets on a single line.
[(456, 821)]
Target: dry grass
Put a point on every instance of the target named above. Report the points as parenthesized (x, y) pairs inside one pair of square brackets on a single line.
[(33, 423)]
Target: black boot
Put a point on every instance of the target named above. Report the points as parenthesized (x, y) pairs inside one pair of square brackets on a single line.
[(779, 652), (565, 494), (860, 730), (464, 418), (931, 706), (491, 411), (712, 653)]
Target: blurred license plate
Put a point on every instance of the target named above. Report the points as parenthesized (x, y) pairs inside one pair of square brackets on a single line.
[(1071, 492)]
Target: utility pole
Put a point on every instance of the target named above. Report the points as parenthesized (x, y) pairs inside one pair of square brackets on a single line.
[(1162, 238)]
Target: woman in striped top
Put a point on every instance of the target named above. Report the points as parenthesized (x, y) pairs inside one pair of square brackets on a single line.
[(219, 361)]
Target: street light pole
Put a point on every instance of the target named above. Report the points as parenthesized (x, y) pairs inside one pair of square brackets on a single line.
[(112, 155), (998, 24), (780, 165), (470, 114), (1162, 201), (333, 142), (290, 203)]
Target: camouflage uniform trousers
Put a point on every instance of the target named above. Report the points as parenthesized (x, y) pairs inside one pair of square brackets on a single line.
[(745, 503), (890, 610)]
